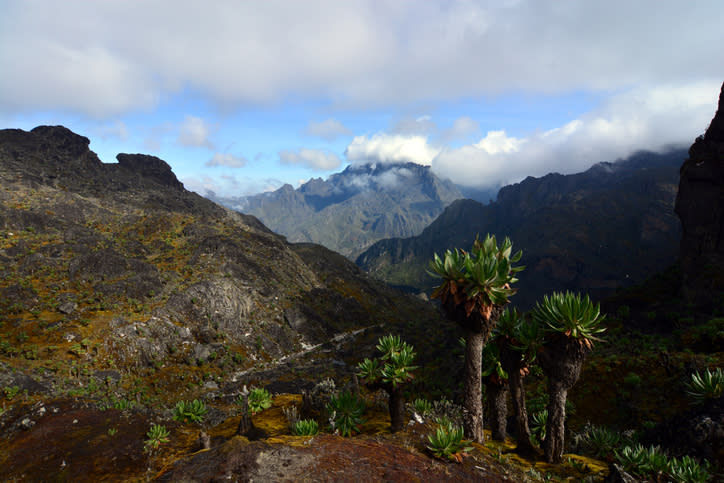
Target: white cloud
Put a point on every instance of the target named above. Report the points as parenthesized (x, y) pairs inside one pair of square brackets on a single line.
[(226, 159), (361, 53), (652, 119), (194, 132), (387, 179), (312, 158), (421, 125), (329, 129), (228, 186), (390, 148), (462, 128), (496, 142), (117, 129)]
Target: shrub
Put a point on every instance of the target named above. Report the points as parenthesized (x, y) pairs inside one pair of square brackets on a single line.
[(641, 461), (259, 399), (688, 470), (156, 436), (421, 406), (446, 442), (538, 423), (346, 410), (192, 411), (707, 385), (599, 441), (306, 427)]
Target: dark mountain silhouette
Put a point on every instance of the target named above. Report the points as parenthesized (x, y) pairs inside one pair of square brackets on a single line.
[(595, 231), (700, 206)]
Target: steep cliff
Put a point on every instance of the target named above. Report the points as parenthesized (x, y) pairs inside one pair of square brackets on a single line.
[(700, 206)]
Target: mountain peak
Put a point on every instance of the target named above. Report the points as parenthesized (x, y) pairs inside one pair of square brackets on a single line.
[(149, 167), (358, 206)]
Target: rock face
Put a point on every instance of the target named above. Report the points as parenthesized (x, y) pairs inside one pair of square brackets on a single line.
[(700, 206)]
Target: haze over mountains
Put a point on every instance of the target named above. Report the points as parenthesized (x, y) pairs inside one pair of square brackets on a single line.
[(351, 210)]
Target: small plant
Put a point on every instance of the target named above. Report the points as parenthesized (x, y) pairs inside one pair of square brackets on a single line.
[(641, 461), (688, 470), (112, 431), (306, 427), (446, 442), (421, 406), (10, 392), (292, 415), (191, 411), (707, 385), (346, 410), (123, 404), (538, 422), (259, 399), (157, 436), (600, 441)]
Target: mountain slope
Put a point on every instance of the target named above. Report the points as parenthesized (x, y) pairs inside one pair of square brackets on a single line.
[(354, 208), (119, 267), (608, 227)]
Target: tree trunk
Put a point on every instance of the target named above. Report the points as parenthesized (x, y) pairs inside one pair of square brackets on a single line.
[(472, 391), (512, 362), (497, 396), (397, 409), (555, 426), (517, 396), (561, 360)]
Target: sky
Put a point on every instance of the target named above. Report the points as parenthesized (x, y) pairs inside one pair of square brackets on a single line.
[(240, 97)]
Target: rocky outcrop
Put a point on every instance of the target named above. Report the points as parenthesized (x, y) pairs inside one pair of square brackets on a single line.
[(700, 207), (150, 167)]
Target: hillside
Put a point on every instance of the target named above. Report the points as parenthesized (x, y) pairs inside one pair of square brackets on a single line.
[(355, 208), (121, 289), (608, 227)]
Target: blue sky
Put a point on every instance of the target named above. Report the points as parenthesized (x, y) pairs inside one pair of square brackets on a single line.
[(242, 96)]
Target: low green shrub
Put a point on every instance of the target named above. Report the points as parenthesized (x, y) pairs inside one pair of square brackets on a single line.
[(538, 421), (306, 427), (447, 442), (156, 436), (707, 385), (190, 411), (598, 441), (259, 399), (688, 470), (653, 464), (422, 406), (345, 410)]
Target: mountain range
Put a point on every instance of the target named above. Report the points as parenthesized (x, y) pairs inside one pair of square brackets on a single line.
[(597, 231), (355, 208)]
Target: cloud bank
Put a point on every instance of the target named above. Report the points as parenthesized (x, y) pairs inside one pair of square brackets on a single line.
[(390, 148), (654, 119), (312, 158), (357, 53)]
